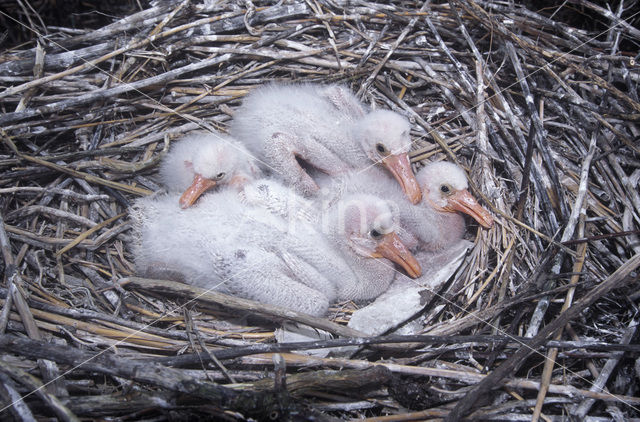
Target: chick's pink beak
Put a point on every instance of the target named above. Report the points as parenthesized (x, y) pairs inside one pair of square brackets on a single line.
[(399, 166), (199, 186), (464, 202), (392, 248)]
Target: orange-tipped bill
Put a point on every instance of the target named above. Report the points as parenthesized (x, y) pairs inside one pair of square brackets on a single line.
[(399, 166), (199, 186), (392, 248), (464, 202)]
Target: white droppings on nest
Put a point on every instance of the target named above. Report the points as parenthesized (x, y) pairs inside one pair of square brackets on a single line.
[(421, 41), (529, 99)]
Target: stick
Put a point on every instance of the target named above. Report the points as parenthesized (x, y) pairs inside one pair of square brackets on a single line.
[(232, 302), (618, 279), (251, 403)]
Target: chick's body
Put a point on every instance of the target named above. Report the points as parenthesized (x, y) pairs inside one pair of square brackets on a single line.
[(299, 130)]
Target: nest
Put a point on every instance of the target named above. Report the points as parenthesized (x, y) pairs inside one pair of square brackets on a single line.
[(539, 105)]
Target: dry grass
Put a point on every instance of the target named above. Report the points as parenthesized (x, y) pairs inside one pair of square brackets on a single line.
[(540, 106)]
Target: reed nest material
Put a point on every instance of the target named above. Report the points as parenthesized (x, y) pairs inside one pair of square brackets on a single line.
[(540, 105)]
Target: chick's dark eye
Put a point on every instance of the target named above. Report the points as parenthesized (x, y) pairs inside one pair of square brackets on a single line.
[(445, 189), (380, 148), (375, 233), (221, 175)]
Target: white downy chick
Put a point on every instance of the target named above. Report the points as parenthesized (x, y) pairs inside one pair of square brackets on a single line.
[(223, 245), (436, 223), (363, 229), (202, 161), (249, 252), (295, 128)]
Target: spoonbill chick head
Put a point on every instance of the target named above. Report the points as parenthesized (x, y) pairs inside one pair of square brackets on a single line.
[(445, 188), (203, 161), (367, 224), (385, 137)]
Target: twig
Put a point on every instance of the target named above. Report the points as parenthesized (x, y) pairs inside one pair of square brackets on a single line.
[(232, 302), (107, 363), (348, 379), (401, 340), (63, 192), (463, 376), (569, 229), (34, 385), (74, 173), (10, 273), (223, 23), (374, 74), (540, 133), (552, 354), (9, 392), (598, 385), (88, 233), (617, 280)]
